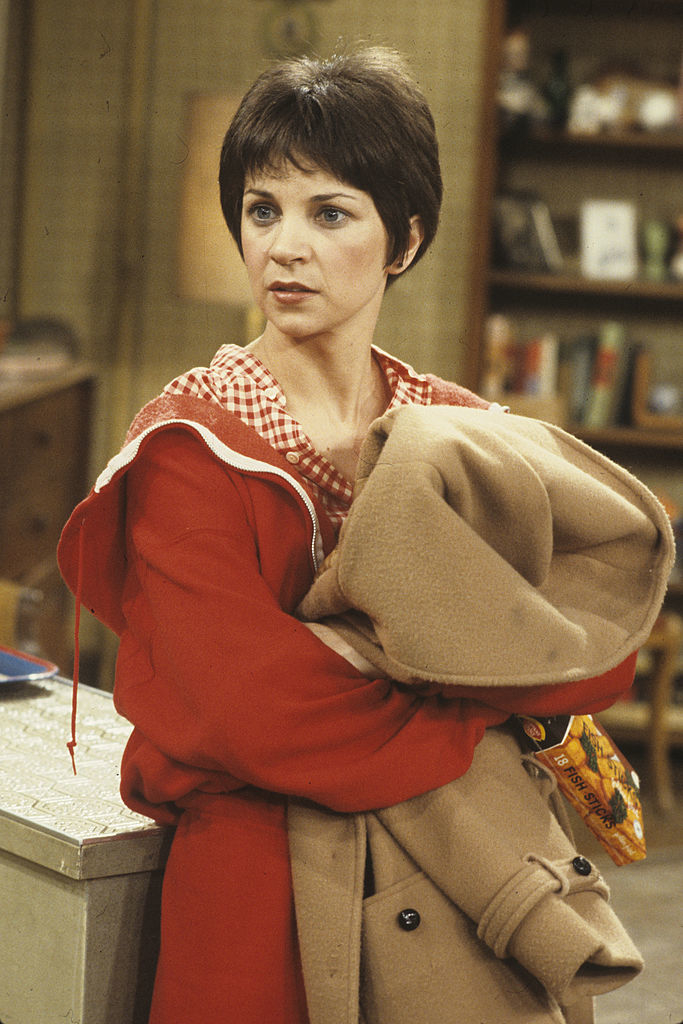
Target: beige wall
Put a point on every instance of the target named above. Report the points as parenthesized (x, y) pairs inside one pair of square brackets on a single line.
[(104, 158)]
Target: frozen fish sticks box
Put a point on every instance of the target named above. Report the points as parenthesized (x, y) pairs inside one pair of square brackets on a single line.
[(596, 779)]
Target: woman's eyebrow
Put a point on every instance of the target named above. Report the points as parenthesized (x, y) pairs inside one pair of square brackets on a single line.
[(324, 197), (327, 196)]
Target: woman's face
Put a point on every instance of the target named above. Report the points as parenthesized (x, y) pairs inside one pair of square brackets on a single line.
[(315, 250)]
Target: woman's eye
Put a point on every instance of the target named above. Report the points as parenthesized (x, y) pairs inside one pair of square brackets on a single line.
[(261, 214), (331, 216)]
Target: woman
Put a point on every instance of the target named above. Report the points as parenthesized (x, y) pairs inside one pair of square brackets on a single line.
[(204, 533)]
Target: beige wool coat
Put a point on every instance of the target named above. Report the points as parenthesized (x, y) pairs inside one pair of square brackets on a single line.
[(515, 927), (485, 549), (490, 549)]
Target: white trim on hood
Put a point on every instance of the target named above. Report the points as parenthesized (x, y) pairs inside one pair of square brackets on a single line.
[(235, 459)]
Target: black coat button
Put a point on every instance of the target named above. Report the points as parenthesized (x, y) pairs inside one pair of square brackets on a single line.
[(408, 920), (582, 866)]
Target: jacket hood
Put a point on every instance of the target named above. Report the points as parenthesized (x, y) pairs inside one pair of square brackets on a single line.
[(92, 545), (92, 549)]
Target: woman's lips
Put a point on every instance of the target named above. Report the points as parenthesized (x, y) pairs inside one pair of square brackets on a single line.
[(290, 292)]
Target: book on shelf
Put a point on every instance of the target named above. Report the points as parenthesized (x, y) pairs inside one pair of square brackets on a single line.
[(538, 366), (499, 357), (608, 378), (575, 373)]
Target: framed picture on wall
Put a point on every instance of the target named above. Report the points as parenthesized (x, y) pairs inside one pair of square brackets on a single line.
[(523, 234)]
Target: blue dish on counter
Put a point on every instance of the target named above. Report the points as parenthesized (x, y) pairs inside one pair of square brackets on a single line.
[(17, 667)]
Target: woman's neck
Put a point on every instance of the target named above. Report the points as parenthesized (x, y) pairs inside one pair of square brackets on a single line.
[(335, 391)]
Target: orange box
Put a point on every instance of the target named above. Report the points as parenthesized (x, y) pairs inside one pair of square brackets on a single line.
[(596, 779)]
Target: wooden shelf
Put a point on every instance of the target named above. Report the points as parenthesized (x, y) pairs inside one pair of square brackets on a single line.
[(630, 437), (622, 8), (668, 292), (547, 144)]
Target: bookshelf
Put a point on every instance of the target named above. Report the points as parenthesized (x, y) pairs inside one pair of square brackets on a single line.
[(563, 168)]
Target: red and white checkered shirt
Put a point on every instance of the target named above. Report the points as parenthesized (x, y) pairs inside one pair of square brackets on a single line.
[(240, 383)]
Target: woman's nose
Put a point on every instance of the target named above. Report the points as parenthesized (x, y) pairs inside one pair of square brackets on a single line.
[(290, 241)]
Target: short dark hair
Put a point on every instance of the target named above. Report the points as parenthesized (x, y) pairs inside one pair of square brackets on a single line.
[(359, 116)]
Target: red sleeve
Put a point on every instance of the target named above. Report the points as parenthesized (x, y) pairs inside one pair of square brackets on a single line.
[(218, 678), (585, 697)]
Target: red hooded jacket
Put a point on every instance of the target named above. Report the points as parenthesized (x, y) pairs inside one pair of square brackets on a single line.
[(195, 546)]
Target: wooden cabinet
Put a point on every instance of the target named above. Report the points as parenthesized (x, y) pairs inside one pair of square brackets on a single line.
[(44, 446), (563, 169)]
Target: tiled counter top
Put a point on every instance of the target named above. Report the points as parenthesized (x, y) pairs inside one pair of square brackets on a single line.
[(79, 873)]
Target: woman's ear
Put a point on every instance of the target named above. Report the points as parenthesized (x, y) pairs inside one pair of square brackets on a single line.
[(414, 242)]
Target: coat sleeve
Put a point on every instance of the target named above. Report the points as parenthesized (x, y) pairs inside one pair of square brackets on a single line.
[(220, 679)]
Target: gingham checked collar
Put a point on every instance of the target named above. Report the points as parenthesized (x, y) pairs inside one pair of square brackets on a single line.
[(240, 383)]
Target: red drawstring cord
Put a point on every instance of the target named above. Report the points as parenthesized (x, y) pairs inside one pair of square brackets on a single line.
[(77, 625)]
